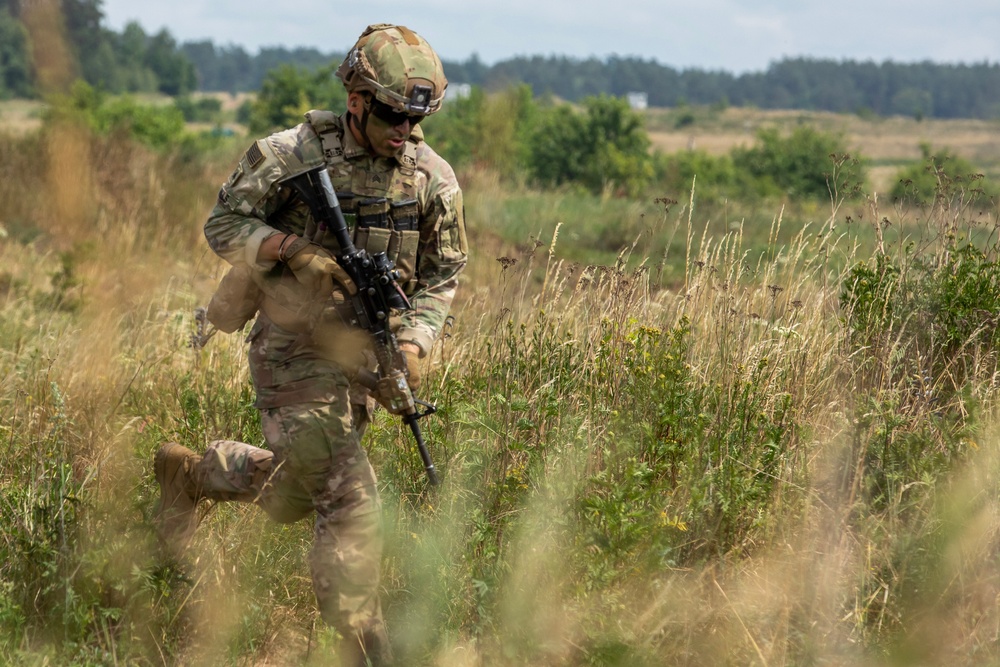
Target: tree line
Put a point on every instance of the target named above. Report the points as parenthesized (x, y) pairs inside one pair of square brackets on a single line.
[(925, 89), (915, 89), (134, 61)]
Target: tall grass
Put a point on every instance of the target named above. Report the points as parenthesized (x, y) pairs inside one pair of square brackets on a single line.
[(714, 453)]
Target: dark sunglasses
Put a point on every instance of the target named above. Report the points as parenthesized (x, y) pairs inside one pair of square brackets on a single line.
[(387, 114)]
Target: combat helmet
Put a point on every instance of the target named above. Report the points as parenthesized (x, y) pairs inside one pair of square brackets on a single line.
[(398, 66)]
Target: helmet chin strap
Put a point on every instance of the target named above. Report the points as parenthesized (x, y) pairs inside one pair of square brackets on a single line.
[(363, 125)]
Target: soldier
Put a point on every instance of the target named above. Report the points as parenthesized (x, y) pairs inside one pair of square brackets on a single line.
[(403, 199)]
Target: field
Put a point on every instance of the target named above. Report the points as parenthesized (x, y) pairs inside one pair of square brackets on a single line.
[(768, 438), (887, 142)]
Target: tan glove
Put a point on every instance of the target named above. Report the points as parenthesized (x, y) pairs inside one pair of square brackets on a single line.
[(394, 395), (312, 265), (412, 369)]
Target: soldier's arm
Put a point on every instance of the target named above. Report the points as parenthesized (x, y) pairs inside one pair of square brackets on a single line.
[(442, 255), (237, 228), (242, 239)]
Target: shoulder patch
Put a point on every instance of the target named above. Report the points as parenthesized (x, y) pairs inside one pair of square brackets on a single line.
[(254, 156)]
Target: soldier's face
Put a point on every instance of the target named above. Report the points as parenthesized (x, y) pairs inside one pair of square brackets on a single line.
[(383, 137), (387, 140)]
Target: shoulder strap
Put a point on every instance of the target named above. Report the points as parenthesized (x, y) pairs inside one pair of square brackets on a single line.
[(408, 160), (329, 129)]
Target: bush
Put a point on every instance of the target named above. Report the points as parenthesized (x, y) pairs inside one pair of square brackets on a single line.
[(604, 147), (922, 339), (941, 308), (288, 92), (942, 176), (204, 110), (156, 126), (716, 175), (806, 163)]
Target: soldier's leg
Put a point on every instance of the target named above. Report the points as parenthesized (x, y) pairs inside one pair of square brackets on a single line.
[(322, 451), (232, 470), (227, 471)]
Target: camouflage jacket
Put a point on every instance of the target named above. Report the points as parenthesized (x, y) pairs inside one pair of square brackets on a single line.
[(253, 205)]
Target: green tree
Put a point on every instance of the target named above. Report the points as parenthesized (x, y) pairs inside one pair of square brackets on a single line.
[(83, 28), (491, 130), (174, 72), (913, 102), (605, 146), (456, 131), (805, 163), (15, 59), (288, 92), (134, 74)]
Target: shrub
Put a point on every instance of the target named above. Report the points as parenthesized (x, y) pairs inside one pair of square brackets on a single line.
[(806, 163), (156, 126), (922, 340), (940, 308), (716, 175), (942, 176), (203, 110), (604, 147), (288, 92)]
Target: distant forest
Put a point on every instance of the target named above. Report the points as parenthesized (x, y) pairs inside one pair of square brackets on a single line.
[(133, 61)]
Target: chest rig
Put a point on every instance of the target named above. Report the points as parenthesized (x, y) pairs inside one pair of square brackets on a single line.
[(380, 205)]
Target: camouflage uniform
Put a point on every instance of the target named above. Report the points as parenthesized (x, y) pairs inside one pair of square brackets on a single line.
[(312, 415)]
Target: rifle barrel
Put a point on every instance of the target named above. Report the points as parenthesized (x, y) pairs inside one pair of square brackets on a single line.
[(425, 455)]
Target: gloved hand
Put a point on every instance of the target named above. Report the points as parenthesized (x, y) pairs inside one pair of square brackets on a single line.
[(312, 264), (413, 368), (393, 394)]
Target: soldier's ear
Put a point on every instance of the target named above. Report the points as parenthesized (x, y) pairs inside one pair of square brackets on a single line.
[(355, 103)]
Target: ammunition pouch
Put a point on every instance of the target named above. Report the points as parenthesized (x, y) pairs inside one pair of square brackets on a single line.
[(381, 226)]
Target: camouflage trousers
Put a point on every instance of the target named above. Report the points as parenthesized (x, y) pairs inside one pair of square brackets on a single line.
[(315, 463)]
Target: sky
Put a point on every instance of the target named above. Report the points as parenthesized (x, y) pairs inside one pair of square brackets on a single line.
[(732, 35)]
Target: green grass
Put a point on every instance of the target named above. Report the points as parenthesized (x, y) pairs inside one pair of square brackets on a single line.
[(712, 458)]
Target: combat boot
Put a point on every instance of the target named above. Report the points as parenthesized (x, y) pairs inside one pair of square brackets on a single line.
[(177, 515)]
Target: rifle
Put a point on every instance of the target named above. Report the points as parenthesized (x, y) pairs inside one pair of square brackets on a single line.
[(378, 295)]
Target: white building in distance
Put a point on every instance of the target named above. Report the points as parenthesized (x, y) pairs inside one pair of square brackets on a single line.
[(638, 101)]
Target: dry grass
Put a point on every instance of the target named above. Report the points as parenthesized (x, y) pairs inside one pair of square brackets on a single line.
[(18, 117), (817, 577)]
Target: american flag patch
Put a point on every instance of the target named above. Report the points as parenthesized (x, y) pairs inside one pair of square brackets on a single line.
[(254, 156)]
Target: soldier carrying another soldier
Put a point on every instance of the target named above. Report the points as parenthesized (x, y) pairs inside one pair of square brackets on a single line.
[(403, 200)]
